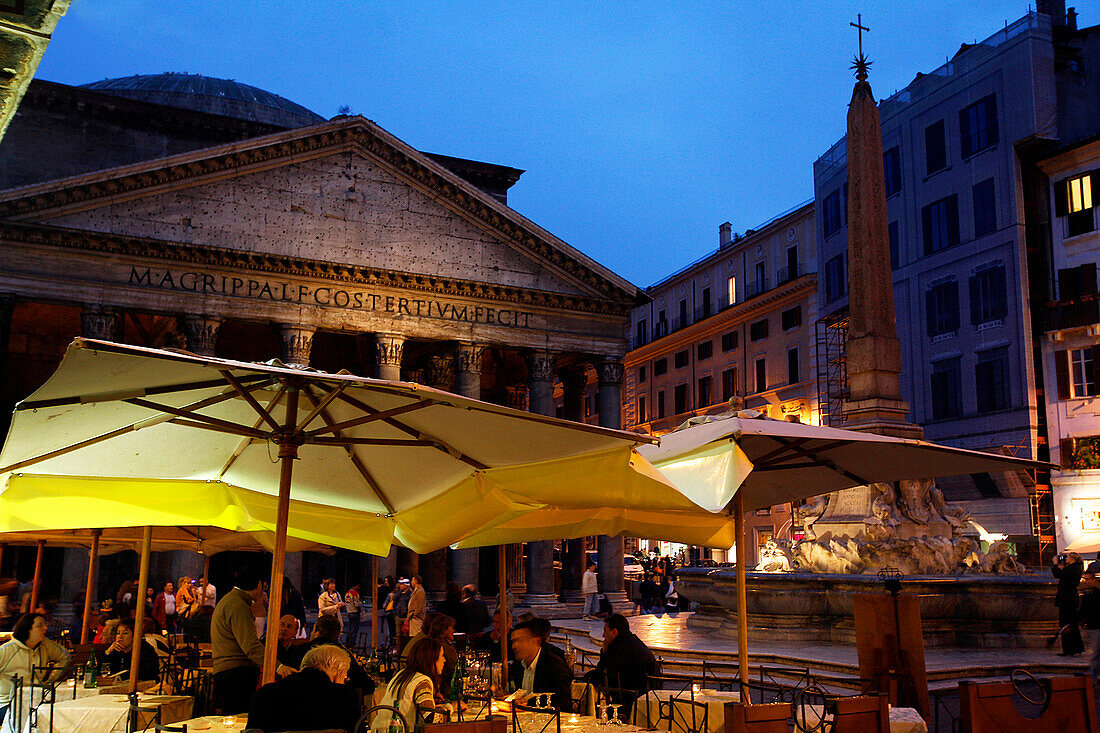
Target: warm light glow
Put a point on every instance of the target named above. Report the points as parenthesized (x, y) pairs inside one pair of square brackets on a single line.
[(1080, 194), (986, 536)]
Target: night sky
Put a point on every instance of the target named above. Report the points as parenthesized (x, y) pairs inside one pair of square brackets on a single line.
[(642, 125)]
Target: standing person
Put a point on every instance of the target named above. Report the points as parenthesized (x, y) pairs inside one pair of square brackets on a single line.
[(477, 610), (164, 608), (329, 603), (452, 606), (418, 606), (352, 603), (1090, 615), (294, 604), (259, 612), (186, 600), (28, 648), (590, 588), (237, 651), (401, 607), (1068, 570), (207, 593)]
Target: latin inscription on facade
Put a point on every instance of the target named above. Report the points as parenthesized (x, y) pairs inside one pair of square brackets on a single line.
[(326, 297)]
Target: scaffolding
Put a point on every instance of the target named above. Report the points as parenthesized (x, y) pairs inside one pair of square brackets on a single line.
[(832, 367)]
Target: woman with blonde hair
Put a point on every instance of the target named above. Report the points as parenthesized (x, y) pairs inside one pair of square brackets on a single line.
[(185, 598)]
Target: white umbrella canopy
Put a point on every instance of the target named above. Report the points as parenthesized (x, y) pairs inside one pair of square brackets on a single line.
[(203, 540), (772, 462)]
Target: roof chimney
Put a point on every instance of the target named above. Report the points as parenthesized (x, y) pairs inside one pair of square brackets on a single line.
[(1056, 9), (724, 235)]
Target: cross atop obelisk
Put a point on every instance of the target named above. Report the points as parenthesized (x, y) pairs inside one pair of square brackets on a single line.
[(860, 62)]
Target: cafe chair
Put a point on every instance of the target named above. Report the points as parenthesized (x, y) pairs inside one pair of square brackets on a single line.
[(688, 716), (659, 711), (862, 714), (15, 708), (134, 722), (551, 723), (477, 707), (620, 696), (760, 718), (363, 724), (813, 710), (764, 693)]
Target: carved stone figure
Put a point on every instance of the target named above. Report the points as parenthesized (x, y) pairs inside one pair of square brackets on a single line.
[(810, 512), (773, 558)]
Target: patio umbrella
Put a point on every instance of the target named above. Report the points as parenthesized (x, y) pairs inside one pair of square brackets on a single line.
[(738, 463), (196, 440)]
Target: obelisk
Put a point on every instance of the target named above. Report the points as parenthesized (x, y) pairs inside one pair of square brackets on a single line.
[(874, 403)]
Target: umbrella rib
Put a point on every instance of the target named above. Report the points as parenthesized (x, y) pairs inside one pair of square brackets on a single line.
[(418, 434), (783, 448), (245, 442), (355, 460), (143, 392), (367, 418), (829, 464), (225, 425), (340, 440), (236, 384), (782, 460), (136, 425), (317, 408)]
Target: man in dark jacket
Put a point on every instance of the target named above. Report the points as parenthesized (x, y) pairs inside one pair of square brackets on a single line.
[(327, 631), (313, 699), (537, 671), (477, 612), (625, 661), (1068, 569)]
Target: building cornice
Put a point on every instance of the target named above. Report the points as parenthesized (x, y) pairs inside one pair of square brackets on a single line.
[(206, 256), (347, 134), (724, 319)]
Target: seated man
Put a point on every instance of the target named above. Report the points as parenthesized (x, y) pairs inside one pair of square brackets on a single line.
[(536, 672), (314, 699), (288, 652), (542, 627), (489, 641), (625, 660), (327, 631)]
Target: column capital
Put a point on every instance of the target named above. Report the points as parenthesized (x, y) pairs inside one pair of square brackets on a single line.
[(390, 346), (441, 372), (540, 365), (297, 343), (201, 333), (468, 357), (101, 322), (609, 370)]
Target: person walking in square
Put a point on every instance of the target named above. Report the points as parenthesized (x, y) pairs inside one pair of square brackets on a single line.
[(589, 588), (1068, 568)]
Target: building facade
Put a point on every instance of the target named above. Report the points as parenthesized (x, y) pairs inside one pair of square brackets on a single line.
[(1071, 349), (738, 322), (150, 211)]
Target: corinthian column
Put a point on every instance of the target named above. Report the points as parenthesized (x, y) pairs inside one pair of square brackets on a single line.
[(101, 322), (201, 333), (390, 347), (609, 377), (540, 555), (465, 562), (297, 343)]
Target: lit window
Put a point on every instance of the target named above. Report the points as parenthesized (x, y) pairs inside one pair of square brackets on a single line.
[(1084, 372), (1079, 194)]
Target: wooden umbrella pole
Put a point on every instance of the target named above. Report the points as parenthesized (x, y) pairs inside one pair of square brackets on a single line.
[(37, 574), (288, 452), (505, 616), (89, 588), (374, 602), (139, 609), (742, 599)]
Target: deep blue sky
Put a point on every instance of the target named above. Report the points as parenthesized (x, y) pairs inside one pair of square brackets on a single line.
[(642, 125)]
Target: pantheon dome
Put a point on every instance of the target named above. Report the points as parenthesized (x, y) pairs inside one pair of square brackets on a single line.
[(207, 94)]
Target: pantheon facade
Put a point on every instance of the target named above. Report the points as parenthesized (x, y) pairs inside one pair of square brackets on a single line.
[(182, 211)]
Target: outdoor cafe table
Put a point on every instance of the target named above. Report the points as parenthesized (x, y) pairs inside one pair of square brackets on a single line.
[(647, 708), (216, 723), (107, 713)]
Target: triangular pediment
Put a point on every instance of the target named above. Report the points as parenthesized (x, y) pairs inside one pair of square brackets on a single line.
[(344, 192)]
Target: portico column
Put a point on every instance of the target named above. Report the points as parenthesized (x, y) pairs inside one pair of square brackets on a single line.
[(573, 382), (540, 555), (433, 566), (101, 322), (390, 347), (201, 333), (464, 563), (609, 376), (297, 344)]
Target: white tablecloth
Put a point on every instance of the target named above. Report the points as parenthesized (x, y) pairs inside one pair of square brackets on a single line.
[(647, 709), (106, 713), (906, 720), (216, 724)]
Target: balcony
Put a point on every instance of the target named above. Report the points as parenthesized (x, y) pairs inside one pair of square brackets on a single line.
[(786, 274), (1084, 311), (756, 287)]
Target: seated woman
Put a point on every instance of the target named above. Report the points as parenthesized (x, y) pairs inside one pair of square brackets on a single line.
[(441, 627), (413, 686), (118, 654)]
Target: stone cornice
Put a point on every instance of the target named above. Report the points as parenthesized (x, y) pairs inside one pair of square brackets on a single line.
[(216, 257), (353, 133)]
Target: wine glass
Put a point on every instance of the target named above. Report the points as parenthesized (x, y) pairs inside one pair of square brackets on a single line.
[(601, 710), (613, 715)]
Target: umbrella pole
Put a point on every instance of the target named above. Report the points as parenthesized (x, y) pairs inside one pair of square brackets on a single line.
[(89, 588), (505, 620), (37, 574), (742, 601), (288, 452), (139, 609), (374, 602)]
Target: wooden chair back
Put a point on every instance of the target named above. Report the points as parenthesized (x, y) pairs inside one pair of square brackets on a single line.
[(765, 718), (687, 716), (988, 707), (863, 714)]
